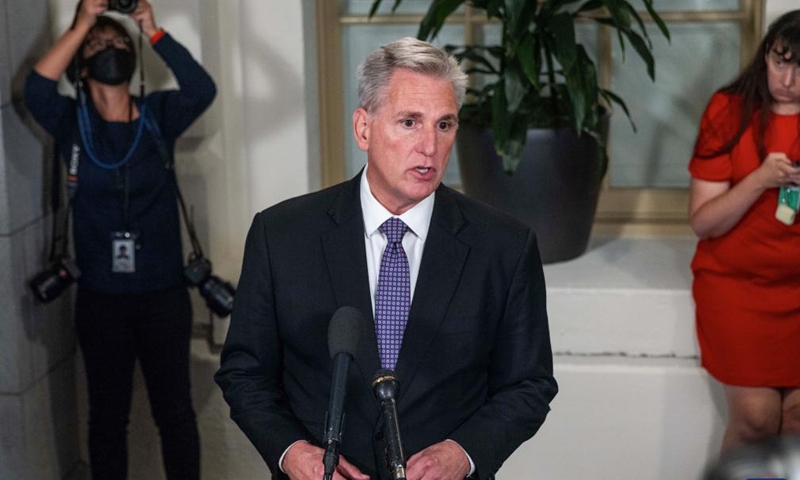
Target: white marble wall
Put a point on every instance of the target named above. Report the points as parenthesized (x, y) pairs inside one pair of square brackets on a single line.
[(38, 439), (774, 9)]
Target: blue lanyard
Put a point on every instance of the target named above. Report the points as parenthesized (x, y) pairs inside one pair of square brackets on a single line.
[(85, 128)]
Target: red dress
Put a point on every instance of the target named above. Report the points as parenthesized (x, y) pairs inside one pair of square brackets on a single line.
[(747, 282)]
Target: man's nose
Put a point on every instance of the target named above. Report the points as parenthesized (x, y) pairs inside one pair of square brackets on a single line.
[(427, 143)]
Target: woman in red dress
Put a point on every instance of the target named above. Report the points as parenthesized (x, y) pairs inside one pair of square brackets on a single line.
[(747, 265)]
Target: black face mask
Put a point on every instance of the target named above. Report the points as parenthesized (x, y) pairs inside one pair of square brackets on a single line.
[(112, 66)]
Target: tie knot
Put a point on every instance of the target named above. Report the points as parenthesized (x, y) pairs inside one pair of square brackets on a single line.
[(394, 229)]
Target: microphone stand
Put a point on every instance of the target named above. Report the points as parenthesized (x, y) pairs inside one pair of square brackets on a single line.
[(344, 335), (385, 387), (333, 436)]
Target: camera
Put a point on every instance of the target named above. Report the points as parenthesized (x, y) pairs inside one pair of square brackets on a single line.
[(122, 6), (51, 282), (217, 293)]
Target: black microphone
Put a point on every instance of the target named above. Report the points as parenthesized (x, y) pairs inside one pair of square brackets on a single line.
[(778, 457), (344, 335), (385, 387)]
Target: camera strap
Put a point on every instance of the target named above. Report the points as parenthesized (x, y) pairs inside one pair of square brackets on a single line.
[(60, 238), (169, 161)]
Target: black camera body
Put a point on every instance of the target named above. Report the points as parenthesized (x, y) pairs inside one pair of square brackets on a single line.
[(217, 293), (55, 279), (122, 6)]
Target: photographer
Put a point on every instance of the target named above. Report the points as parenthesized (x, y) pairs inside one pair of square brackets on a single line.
[(132, 302)]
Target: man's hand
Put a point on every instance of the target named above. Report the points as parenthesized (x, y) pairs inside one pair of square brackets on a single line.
[(441, 461), (303, 461)]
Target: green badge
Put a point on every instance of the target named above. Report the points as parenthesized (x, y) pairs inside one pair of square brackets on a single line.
[(788, 203)]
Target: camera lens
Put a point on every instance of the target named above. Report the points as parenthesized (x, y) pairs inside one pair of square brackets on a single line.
[(48, 286), (218, 295), (123, 6), (53, 281), (197, 271)]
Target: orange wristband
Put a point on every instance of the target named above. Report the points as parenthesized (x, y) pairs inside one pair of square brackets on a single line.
[(157, 36)]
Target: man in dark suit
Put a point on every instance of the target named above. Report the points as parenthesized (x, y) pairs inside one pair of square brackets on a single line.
[(474, 363)]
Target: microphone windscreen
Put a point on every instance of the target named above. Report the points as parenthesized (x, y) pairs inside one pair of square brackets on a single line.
[(344, 331)]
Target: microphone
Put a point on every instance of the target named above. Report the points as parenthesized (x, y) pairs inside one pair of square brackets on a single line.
[(344, 335), (385, 387), (775, 458)]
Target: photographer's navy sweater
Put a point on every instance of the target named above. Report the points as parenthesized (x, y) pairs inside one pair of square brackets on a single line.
[(97, 208)]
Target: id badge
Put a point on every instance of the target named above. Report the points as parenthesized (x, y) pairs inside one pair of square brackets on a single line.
[(123, 252), (788, 204)]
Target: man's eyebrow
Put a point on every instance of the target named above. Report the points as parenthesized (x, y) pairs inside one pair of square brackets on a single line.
[(409, 114), (418, 115)]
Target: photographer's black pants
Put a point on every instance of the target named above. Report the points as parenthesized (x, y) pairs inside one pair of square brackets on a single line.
[(154, 328)]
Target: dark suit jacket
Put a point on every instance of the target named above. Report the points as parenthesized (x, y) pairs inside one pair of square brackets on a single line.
[(475, 365)]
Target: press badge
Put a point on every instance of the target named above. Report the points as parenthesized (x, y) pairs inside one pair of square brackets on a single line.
[(123, 252), (788, 203)]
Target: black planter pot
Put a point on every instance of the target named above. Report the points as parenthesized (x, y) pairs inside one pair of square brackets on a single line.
[(554, 190)]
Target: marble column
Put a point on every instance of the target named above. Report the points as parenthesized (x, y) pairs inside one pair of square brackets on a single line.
[(38, 417)]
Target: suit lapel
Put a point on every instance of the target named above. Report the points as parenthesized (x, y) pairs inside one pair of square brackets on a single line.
[(442, 263), (440, 271), (346, 260)]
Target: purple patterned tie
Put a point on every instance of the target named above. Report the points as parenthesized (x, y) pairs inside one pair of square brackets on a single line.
[(393, 295)]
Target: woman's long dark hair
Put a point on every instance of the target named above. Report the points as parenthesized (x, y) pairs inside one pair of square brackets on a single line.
[(751, 91)]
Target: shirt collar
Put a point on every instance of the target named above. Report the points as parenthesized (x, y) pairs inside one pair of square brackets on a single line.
[(418, 217)]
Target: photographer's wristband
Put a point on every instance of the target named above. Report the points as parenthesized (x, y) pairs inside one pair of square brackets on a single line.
[(154, 38)]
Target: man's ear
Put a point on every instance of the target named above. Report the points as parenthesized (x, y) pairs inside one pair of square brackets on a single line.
[(361, 124)]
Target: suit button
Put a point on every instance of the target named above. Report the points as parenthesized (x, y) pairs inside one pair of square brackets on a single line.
[(379, 436)]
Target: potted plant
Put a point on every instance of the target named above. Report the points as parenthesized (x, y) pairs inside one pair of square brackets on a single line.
[(535, 121)]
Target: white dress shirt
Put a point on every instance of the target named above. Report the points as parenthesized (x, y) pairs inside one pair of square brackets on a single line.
[(418, 219)]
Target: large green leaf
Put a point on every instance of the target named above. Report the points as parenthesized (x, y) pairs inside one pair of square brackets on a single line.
[(591, 89), (436, 16), (501, 120), (563, 30), (656, 18), (509, 130), (619, 13), (639, 22), (377, 3), (474, 54), (546, 10), (590, 6), (559, 4), (565, 50), (620, 19), (611, 98), (516, 86), (514, 15), (491, 7), (527, 55), (512, 153), (644, 51), (581, 82), (519, 15)]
